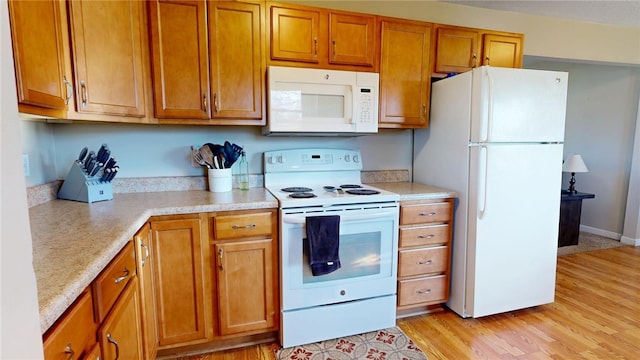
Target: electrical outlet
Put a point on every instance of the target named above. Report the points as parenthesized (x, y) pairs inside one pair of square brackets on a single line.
[(25, 165)]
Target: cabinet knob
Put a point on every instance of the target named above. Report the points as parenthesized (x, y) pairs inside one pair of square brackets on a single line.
[(115, 343), (69, 350), (422, 292)]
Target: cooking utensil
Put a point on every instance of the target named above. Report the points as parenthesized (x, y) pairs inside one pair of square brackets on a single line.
[(207, 156), (199, 159)]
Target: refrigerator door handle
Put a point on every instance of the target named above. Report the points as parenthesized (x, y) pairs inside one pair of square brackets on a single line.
[(487, 127), (482, 177)]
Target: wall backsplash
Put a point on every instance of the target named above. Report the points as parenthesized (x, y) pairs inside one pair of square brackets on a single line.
[(149, 151)]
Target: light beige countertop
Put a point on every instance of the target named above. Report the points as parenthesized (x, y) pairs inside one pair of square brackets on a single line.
[(74, 241), (414, 191)]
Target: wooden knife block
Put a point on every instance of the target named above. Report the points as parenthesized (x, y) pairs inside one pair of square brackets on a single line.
[(79, 186)]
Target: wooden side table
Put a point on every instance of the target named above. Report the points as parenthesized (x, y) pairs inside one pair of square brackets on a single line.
[(570, 211)]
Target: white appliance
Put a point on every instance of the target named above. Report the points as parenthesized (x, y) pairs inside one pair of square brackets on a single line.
[(496, 137), (321, 182), (303, 101)]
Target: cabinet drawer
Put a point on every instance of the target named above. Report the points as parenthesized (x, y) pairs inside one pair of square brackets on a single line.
[(422, 261), (112, 280), (242, 225), (424, 235), (75, 332), (425, 213), (423, 290)]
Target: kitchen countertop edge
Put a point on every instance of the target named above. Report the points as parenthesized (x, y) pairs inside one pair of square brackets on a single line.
[(74, 241), (415, 191)]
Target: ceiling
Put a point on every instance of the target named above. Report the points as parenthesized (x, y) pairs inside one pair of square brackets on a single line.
[(612, 12)]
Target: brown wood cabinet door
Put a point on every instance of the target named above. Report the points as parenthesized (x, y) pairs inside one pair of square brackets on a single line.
[(235, 42), (294, 34), (179, 54), (502, 51), (120, 335), (352, 39), (144, 249), (246, 288), (107, 53), (179, 260), (41, 52), (457, 50), (405, 74)]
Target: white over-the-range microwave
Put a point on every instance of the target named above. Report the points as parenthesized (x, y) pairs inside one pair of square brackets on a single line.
[(303, 101)]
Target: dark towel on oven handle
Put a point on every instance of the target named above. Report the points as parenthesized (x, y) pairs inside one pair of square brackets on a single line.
[(323, 234)]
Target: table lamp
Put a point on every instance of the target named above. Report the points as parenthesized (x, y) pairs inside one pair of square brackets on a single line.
[(574, 164)]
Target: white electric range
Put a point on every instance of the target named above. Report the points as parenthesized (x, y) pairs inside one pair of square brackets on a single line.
[(325, 182)]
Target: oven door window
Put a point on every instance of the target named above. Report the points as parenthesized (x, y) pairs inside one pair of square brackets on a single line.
[(359, 255)]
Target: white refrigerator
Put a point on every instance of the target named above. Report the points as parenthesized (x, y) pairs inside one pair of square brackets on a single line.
[(496, 137)]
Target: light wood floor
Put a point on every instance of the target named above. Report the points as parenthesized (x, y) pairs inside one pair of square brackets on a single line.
[(596, 315)]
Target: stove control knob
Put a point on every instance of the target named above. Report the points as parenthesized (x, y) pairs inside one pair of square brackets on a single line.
[(281, 159), (356, 159), (270, 160), (347, 158), (342, 292)]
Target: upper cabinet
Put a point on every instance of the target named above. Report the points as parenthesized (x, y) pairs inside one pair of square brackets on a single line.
[(107, 43), (236, 61), (322, 38), (405, 73), (179, 56), (207, 61), (40, 50), (461, 49)]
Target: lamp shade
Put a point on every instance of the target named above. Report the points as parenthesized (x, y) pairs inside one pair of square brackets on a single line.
[(574, 164)]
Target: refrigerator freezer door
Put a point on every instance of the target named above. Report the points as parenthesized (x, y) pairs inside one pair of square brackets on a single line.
[(514, 206), (518, 105)]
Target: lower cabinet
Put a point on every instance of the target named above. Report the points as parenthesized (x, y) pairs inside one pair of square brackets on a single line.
[(73, 335), (246, 268), (424, 254), (182, 276), (144, 249), (120, 334)]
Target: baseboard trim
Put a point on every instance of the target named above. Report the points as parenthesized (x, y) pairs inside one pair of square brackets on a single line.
[(600, 232), (630, 241)]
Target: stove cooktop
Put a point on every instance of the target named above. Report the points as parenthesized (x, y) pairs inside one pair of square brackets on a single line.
[(325, 195)]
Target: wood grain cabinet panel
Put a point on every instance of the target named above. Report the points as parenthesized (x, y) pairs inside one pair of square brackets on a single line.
[(107, 43), (179, 55), (405, 74), (120, 335), (182, 278), (457, 50), (502, 50), (295, 34), (246, 268), (144, 249), (424, 254), (41, 53), (108, 286), (461, 49), (236, 60), (246, 298), (352, 39), (74, 333)]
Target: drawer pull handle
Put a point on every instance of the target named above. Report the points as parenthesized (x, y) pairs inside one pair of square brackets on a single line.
[(250, 226), (428, 214), (144, 260), (119, 279), (220, 252), (425, 262), (430, 236), (69, 350), (423, 291), (111, 340)]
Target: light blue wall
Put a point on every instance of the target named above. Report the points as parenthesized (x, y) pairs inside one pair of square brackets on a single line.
[(162, 150)]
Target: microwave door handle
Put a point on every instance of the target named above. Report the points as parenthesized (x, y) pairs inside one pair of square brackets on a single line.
[(349, 104), (301, 219)]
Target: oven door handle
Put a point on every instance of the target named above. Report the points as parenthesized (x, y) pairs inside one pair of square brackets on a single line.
[(301, 219)]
